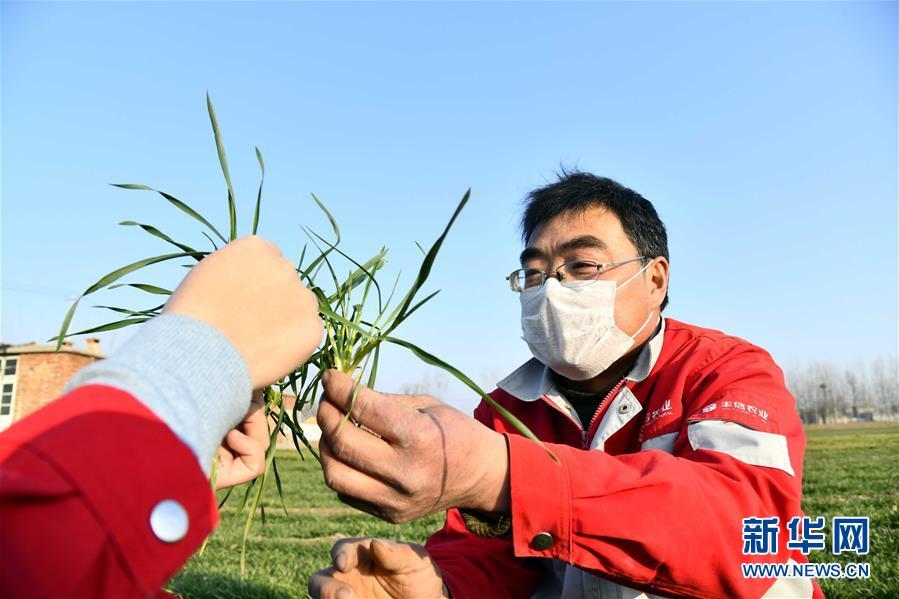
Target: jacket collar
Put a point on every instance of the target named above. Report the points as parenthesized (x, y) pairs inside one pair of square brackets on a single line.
[(532, 380)]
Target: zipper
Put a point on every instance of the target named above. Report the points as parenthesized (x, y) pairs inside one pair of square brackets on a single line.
[(599, 410), (553, 406), (585, 431)]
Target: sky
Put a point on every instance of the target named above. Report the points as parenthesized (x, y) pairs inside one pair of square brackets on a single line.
[(764, 133)]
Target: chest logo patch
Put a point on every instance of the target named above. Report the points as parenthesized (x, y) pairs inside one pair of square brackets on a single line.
[(738, 406), (659, 413)]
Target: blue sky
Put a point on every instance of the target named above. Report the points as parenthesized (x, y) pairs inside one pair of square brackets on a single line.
[(764, 133)]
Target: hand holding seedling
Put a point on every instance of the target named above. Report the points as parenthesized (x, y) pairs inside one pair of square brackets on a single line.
[(241, 457), (424, 457), (378, 569), (252, 295)]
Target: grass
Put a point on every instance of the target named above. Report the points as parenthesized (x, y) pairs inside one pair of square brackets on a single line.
[(849, 471), (287, 548)]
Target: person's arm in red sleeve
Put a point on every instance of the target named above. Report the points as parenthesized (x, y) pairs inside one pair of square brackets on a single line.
[(103, 492), (672, 523), (476, 565), (80, 482)]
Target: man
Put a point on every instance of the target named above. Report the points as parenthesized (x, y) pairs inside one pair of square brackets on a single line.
[(104, 492), (659, 438)]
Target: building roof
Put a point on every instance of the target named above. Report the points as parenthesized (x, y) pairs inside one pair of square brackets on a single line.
[(34, 348)]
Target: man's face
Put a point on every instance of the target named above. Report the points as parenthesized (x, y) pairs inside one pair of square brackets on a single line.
[(596, 234)]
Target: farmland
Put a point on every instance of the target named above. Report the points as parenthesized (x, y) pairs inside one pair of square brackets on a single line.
[(849, 471)]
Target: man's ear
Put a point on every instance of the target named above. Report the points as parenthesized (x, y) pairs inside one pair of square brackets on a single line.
[(658, 280)]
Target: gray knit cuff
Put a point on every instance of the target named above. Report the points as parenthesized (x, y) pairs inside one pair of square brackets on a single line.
[(187, 372)]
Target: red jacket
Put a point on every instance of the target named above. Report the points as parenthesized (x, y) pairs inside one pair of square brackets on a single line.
[(651, 496), (79, 481)]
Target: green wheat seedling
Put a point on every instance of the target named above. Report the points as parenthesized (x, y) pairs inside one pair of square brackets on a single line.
[(358, 314)]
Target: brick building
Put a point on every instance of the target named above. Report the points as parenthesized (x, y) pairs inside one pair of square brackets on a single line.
[(32, 375)]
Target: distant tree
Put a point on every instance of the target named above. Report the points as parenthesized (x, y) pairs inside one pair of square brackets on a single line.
[(885, 387), (825, 393), (857, 390)]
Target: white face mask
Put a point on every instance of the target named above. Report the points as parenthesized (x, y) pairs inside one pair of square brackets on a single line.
[(570, 327)]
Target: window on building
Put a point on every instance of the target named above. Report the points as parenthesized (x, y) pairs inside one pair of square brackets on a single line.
[(8, 367), (6, 400)]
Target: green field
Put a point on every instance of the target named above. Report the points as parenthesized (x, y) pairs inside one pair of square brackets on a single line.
[(849, 471)]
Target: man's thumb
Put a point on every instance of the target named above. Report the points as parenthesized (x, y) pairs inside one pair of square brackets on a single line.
[(393, 557)]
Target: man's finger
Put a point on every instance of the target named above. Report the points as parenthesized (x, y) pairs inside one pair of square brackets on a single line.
[(348, 554), (247, 450), (323, 585), (238, 443), (380, 412), (348, 481), (353, 446), (394, 557), (254, 423)]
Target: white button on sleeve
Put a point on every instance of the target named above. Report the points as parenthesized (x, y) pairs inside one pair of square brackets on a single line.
[(169, 521)]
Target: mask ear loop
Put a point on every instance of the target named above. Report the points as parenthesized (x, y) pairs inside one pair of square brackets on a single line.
[(643, 326), (636, 274), (651, 312)]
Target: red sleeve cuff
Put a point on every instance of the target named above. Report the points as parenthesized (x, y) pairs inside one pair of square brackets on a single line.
[(123, 461), (541, 501)]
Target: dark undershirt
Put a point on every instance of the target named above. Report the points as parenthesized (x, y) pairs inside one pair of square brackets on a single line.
[(585, 404)]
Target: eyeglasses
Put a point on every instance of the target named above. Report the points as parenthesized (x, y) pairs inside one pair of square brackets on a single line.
[(578, 270)]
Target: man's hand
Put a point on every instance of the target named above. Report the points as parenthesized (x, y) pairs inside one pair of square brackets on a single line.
[(424, 457), (252, 294), (378, 569), (241, 457)]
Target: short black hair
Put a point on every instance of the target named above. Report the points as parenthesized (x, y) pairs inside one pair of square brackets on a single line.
[(576, 190)]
